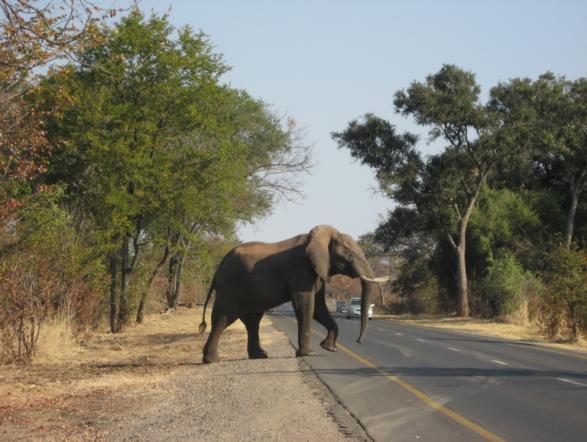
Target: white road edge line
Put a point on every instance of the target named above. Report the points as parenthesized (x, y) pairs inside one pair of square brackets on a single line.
[(379, 329), (495, 361), (453, 349), (398, 334), (421, 340), (569, 381)]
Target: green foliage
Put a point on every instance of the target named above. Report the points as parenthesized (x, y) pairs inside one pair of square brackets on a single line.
[(147, 134), (119, 122), (445, 101), (547, 118), (49, 230), (504, 220), (506, 288)]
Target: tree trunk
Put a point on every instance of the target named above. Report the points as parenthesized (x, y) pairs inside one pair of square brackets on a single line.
[(154, 273), (177, 290), (174, 279), (461, 252), (577, 184), (571, 217), (124, 312), (114, 323), (462, 281), (171, 279)]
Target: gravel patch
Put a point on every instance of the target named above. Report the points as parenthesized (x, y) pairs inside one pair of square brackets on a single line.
[(238, 399)]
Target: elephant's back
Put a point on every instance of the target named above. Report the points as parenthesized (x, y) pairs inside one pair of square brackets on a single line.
[(255, 251), (250, 264)]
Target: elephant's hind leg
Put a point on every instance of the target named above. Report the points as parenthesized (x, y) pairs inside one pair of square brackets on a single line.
[(219, 322), (252, 321)]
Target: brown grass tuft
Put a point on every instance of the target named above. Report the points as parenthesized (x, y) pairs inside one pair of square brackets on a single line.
[(57, 341)]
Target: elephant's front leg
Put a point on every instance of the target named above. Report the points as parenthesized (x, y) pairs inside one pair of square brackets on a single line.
[(322, 315), (303, 304)]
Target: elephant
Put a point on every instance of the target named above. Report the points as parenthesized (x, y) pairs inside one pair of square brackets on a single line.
[(254, 277)]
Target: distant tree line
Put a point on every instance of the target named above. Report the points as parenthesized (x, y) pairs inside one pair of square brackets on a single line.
[(128, 162), (496, 223)]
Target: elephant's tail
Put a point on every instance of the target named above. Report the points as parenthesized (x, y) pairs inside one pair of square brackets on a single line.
[(203, 323)]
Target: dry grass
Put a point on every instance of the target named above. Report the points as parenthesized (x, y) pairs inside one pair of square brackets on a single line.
[(70, 376), (148, 383), (57, 342), (487, 327)]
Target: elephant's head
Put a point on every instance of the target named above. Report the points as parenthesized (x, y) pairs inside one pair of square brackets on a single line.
[(334, 253)]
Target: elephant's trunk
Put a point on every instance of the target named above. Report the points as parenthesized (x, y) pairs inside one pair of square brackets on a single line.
[(368, 287)]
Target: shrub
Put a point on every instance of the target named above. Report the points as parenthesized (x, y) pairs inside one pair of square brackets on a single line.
[(417, 288), (507, 288), (564, 303), (49, 270), (26, 286)]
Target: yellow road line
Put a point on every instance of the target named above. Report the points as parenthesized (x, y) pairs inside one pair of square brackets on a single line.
[(486, 434)]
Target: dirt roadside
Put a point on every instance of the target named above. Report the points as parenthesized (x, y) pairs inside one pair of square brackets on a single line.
[(148, 384)]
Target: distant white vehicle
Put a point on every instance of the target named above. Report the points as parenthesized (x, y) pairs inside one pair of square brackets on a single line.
[(354, 309)]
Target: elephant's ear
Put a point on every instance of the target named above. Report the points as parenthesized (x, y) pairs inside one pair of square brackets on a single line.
[(318, 251)]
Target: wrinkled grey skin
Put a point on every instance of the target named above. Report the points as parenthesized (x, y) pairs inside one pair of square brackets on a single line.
[(256, 276)]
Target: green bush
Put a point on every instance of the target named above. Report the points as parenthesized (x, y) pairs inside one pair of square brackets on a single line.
[(507, 287)]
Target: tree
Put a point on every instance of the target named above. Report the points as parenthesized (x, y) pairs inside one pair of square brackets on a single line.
[(442, 191), (156, 151), (117, 117)]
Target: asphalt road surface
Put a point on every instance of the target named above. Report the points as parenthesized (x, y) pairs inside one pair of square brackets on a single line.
[(414, 383)]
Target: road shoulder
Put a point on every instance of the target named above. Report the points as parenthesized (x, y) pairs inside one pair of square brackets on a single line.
[(148, 384)]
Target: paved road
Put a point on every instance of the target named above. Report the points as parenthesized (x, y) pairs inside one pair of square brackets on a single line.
[(414, 383)]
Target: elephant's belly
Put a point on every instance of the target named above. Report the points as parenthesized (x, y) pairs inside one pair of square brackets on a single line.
[(264, 294)]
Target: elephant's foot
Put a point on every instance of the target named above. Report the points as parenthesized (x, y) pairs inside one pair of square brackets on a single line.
[(301, 353), (258, 354), (210, 358), (327, 344)]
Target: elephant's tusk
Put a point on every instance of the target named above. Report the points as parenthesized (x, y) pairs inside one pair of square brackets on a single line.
[(376, 280)]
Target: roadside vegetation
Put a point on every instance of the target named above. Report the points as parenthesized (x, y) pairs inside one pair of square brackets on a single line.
[(127, 164), (495, 224)]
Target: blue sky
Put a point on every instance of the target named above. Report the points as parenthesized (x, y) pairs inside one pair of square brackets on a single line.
[(327, 62)]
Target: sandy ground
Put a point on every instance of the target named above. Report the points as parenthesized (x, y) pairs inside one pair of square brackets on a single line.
[(148, 384)]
